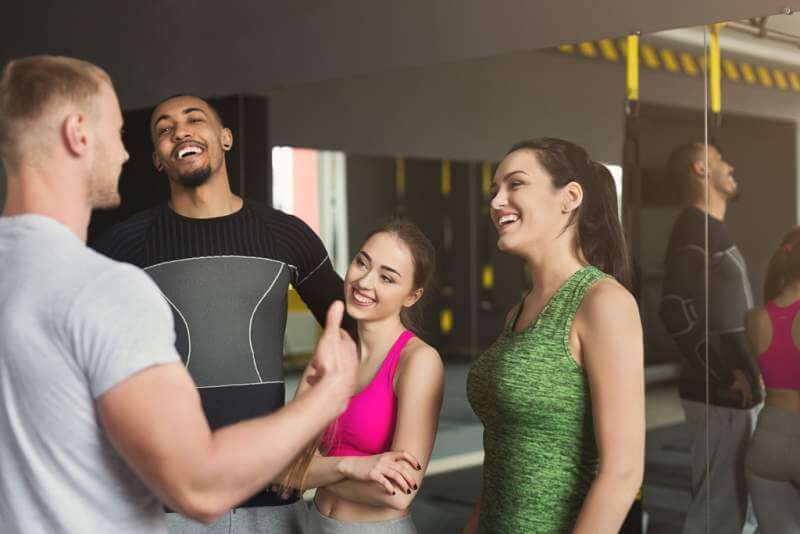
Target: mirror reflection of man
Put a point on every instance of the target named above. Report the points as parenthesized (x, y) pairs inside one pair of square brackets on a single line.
[(224, 264), (734, 385)]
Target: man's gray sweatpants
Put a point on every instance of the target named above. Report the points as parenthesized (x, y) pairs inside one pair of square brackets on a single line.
[(289, 519), (729, 431)]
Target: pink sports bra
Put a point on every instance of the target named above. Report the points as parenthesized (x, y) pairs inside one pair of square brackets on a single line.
[(366, 427), (780, 363)]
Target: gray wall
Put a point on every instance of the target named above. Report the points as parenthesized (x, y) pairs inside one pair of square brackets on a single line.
[(469, 110)]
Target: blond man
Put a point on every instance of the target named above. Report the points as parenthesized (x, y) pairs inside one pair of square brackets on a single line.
[(99, 421)]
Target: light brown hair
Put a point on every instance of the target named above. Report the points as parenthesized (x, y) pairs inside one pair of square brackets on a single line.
[(784, 266), (31, 86), (423, 257)]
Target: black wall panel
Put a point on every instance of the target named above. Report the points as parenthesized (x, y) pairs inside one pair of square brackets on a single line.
[(459, 228)]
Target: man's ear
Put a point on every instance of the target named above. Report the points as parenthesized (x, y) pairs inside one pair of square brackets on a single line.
[(157, 163), (227, 139), (699, 168), (75, 132)]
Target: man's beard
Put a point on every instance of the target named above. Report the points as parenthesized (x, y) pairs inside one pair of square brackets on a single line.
[(103, 185), (196, 178), (719, 183), (105, 200), (733, 195)]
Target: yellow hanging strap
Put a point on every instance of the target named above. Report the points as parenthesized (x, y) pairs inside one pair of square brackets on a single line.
[(400, 177), (715, 70), (632, 50), (486, 179), (487, 277), (446, 178), (446, 321), (487, 273)]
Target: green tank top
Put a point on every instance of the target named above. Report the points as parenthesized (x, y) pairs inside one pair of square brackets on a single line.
[(533, 399)]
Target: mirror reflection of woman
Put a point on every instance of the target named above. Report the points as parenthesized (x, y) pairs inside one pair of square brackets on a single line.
[(369, 464), (561, 391), (773, 456)]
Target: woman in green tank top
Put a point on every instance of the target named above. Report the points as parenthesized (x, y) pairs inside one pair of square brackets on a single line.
[(561, 391)]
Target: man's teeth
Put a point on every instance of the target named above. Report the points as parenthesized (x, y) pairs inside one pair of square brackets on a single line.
[(508, 219), (188, 151)]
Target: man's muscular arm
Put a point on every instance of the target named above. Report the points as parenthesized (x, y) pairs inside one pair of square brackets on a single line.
[(155, 420), (321, 288)]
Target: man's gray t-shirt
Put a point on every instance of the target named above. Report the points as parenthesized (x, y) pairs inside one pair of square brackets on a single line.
[(73, 324)]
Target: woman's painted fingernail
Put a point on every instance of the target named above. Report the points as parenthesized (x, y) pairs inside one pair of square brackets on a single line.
[(415, 486), (408, 491), (419, 467)]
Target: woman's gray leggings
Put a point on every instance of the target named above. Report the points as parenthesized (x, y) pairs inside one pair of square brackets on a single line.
[(773, 471), (322, 524)]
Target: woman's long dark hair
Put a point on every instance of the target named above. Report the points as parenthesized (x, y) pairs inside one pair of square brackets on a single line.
[(599, 232)]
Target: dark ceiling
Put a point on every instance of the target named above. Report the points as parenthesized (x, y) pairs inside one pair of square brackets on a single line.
[(157, 47)]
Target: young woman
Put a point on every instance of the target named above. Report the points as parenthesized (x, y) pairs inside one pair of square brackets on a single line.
[(369, 464), (561, 391), (773, 456)]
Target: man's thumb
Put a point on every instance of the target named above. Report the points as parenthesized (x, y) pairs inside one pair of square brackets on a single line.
[(334, 319)]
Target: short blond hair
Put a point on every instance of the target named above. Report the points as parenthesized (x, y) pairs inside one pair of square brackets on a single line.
[(30, 86)]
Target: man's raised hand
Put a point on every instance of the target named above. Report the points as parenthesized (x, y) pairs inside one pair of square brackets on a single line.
[(335, 360)]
